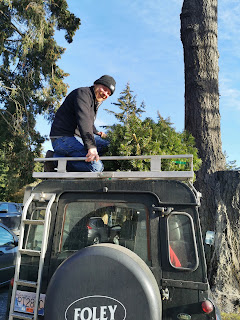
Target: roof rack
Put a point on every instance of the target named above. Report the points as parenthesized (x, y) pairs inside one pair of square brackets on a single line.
[(154, 173)]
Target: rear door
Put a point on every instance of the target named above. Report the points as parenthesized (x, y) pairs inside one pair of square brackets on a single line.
[(127, 217)]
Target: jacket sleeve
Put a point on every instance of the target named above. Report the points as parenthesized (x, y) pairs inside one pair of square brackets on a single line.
[(85, 118), (95, 131)]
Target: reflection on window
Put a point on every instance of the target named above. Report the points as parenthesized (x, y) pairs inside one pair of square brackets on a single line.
[(182, 246), (5, 237), (87, 223)]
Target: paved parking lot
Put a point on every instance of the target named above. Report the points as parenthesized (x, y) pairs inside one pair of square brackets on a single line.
[(3, 303)]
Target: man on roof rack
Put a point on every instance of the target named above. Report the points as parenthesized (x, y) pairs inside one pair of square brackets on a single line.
[(73, 133)]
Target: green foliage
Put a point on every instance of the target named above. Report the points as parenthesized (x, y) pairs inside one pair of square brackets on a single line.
[(31, 81), (133, 136), (127, 104), (16, 167), (230, 316)]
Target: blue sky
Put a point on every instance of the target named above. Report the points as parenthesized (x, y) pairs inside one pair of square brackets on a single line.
[(139, 42)]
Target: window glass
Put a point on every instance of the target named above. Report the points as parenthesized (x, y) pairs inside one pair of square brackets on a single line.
[(87, 223), (4, 207), (34, 233), (5, 237), (182, 245)]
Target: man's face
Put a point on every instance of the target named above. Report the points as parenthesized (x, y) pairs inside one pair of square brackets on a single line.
[(101, 92)]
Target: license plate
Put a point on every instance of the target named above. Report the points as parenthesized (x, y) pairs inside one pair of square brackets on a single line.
[(25, 302)]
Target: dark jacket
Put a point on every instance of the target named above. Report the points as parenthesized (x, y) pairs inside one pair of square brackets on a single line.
[(78, 111)]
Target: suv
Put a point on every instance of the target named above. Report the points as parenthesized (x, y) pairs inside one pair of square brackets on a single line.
[(148, 262)]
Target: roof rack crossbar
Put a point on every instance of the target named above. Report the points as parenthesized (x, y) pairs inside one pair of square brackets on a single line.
[(155, 168)]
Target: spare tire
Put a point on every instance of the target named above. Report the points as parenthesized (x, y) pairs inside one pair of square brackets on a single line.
[(103, 282)]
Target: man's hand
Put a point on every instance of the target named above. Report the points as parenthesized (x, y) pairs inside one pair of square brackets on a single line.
[(92, 155), (102, 134)]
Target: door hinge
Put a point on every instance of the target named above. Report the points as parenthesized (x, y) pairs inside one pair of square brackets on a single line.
[(165, 294)]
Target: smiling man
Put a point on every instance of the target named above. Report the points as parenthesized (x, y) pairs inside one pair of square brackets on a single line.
[(73, 133)]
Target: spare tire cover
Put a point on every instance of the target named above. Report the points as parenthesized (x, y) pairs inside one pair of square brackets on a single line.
[(103, 282)]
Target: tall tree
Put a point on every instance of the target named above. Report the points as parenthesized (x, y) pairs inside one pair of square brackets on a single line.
[(31, 81), (220, 189), (202, 118)]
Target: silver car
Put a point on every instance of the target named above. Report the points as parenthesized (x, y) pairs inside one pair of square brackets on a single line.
[(97, 230)]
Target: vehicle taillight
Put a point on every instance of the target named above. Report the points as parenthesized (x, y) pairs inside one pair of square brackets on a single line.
[(207, 306), (89, 227), (12, 282)]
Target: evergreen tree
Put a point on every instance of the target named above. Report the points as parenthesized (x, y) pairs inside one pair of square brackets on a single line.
[(31, 81), (128, 105), (133, 136)]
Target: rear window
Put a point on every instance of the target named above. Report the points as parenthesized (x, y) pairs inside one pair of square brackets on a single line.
[(182, 243), (91, 222)]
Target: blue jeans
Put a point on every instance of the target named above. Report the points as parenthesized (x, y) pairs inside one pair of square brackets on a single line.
[(71, 147)]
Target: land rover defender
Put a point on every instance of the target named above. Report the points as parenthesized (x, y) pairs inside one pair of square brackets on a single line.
[(112, 245)]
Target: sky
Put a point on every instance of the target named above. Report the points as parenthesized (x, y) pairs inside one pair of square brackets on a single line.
[(138, 42)]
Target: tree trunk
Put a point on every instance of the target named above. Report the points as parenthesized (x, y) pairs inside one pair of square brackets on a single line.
[(220, 206), (224, 266), (202, 118)]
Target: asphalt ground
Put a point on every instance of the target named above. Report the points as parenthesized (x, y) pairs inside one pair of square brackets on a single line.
[(3, 302)]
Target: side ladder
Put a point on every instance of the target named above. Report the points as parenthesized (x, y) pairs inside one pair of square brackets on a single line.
[(42, 198)]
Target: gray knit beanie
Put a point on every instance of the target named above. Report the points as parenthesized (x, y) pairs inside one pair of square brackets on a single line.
[(107, 81)]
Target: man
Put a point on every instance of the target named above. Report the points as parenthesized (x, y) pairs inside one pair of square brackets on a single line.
[(73, 133)]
